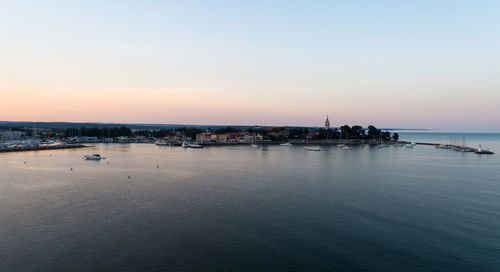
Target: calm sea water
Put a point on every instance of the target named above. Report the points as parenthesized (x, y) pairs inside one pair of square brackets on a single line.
[(234, 208)]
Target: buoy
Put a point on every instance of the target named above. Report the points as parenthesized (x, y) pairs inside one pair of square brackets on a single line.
[(128, 176), (24, 162), (71, 168)]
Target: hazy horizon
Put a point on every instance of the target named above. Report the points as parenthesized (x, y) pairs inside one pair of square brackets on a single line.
[(393, 64)]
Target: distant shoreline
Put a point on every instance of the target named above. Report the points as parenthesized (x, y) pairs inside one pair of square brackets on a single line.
[(293, 141)]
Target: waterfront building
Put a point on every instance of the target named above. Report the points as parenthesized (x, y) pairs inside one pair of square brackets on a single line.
[(12, 134), (327, 123)]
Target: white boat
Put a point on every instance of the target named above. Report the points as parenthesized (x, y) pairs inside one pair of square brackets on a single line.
[(341, 145), (195, 145), (93, 157), (286, 144), (346, 148), (161, 142), (185, 145), (313, 148), (255, 146)]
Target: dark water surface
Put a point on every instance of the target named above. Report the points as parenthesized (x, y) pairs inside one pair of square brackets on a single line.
[(238, 209)]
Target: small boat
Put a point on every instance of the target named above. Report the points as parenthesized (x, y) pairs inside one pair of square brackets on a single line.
[(255, 146), (185, 145), (341, 145), (93, 157), (480, 150), (313, 148), (195, 145), (346, 148), (443, 146), (286, 144), (161, 142), (410, 145)]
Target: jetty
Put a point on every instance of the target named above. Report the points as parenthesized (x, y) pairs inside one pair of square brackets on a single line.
[(20, 148), (463, 148)]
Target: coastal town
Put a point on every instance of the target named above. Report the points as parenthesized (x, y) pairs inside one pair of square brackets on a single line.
[(176, 136), (33, 138)]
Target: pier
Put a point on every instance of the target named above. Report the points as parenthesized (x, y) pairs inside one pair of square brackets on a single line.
[(41, 147)]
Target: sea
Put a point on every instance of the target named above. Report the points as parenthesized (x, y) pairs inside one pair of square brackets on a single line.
[(234, 208)]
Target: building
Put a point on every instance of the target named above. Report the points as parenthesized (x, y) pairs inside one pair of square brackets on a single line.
[(11, 134), (211, 137), (327, 123)]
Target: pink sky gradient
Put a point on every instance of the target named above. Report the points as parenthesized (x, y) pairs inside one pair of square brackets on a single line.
[(419, 65)]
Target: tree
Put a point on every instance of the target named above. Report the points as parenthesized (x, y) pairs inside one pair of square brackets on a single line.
[(227, 130), (357, 132), (345, 131), (324, 134), (395, 136), (386, 135), (373, 132)]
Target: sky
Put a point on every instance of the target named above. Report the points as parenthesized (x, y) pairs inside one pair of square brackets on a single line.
[(400, 64)]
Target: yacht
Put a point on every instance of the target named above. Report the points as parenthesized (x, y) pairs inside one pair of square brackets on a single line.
[(195, 145), (410, 145), (443, 146), (313, 148), (286, 144), (161, 142), (346, 148), (93, 157), (255, 146)]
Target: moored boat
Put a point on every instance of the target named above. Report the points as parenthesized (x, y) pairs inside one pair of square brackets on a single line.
[(93, 157), (443, 146), (195, 145), (161, 142), (313, 148), (480, 150)]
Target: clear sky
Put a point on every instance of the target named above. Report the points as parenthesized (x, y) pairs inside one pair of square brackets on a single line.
[(407, 64)]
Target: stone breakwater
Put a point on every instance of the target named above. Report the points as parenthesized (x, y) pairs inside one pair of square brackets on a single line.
[(37, 148)]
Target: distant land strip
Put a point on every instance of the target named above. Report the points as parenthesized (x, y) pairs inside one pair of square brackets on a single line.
[(66, 125)]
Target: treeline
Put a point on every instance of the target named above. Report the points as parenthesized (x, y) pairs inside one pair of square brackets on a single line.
[(124, 131), (356, 133), (344, 132), (98, 132)]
